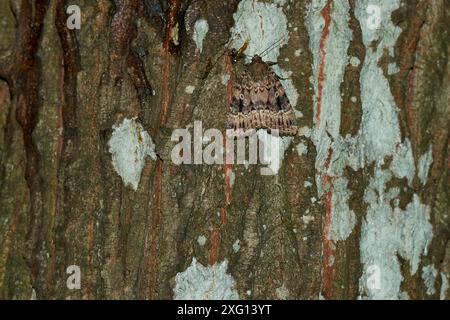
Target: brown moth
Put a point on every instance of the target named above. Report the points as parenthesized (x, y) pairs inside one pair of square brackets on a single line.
[(259, 100)]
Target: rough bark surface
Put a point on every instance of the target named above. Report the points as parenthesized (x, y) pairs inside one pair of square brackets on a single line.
[(62, 203)]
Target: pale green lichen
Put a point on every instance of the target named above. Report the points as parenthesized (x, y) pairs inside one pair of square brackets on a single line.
[(429, 274), (205, 283), (129, 145), (387, 232), (424, 165), (201, 28)]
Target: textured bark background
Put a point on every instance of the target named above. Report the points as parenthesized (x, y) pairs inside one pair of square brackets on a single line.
[(62, 203)]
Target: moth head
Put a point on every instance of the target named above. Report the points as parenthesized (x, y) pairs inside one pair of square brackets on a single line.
[(234, 55), (256, 58), (237, 54)]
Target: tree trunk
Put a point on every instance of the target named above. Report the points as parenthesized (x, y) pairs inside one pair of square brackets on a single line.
[(357, 208)]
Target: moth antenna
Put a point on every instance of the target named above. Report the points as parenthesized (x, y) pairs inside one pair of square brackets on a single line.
[(267, 52), (271, 47)]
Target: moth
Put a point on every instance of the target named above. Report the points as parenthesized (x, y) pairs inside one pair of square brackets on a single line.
[(259, 100)]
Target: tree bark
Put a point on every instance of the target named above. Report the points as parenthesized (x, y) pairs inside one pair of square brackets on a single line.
[(363, 185)]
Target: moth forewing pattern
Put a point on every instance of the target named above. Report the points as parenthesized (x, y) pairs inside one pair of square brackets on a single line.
[(259, 100)]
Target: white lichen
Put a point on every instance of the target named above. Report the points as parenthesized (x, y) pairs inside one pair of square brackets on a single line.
[(201, 240), (129, 145), (205, 283), (232, 177), (444, 286), (379, 108), (302, 149), (403, 162), (429, 274), (189, 89), (343, 219), (282, 293), (200, 30), (354, 61), (33, 294), (388, 232), (415, 231), (262, 24), (237, 246), (393, 69), (225, 79), (424, 165), (379, 244), (307, 219), (305, 132), (175, 34)]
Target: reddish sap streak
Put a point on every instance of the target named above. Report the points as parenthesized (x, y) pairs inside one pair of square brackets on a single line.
[(165, 72), (328, 251), (154, 230), (214, 250), (410, 113), (323, 51), (227, 167), (328, 248), (165, 87)]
